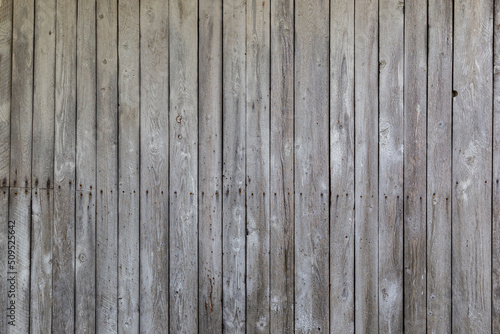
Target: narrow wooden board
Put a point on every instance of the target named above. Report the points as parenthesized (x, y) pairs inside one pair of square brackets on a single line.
[(312, 128), (472, 167), (183, 119), (128, 164), (342, 166), (366, 166), (19, 270), (63, 246), (391, 142), (107, 168), (154, 132), (439, 156), (5, 91), (258, 83), (233, 170), (85, 269), (4, 234), (282, 167), (41, 260), (43, 94), (22, 93), (210, 167)]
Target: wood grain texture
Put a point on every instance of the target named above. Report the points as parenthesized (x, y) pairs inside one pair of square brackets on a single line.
[(233, 170), (5, 91), (495, 264), (391, 147), (312, 166), (154, 255), (210, 167), (63, 246), (85, 209), (41, 260), (366, 166), (472, 167), (282, 168), (128, 166), (183, 119), (43, 94), (258, 85), (20, 220), (107, 168), (22, 93), (4, 260), (439, 156), (342, 166)]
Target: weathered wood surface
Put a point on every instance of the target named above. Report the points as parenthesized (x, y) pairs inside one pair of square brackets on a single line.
[(251, 166)]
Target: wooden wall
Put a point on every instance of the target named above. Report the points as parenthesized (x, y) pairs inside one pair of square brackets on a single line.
[(258, 166)]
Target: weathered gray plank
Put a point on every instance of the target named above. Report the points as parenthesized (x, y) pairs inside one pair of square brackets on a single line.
[(282, 167), (439, 87), (312, 129), (43, 94), (85, 273), (472, 166), (63, 246), (391, 137), (5, 93), (107, 168), (154, 167), (22, 93), (183, 119), (210, 167), (366, 166), (18, 271), (233, 172), (128, 215), (257, 164), (41, 261), (4, 233), (342, 166), (495, 264)]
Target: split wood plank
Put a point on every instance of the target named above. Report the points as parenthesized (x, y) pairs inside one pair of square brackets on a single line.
[(5, 92), (366, 166), (4, 234), (107, 168), (128, 164), (472, 166), (342, 166), (210, 167), (234, 171), (312, 128), (439, 165)]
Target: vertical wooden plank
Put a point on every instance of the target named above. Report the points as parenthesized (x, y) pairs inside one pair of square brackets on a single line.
[(129, 115), (282, 167), (107, 168), (391, 136), (154, 132), (85, 273), (41, 261), (472, 166), (5, 94), (233, 170), (312, 247), (342, 166), (183, 41), (257, 164), (495, 264), (18, 271), (366, 166), (63, 247), (209, 167), (22, 93), (439, 140), (4, 260), (43, 94)]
